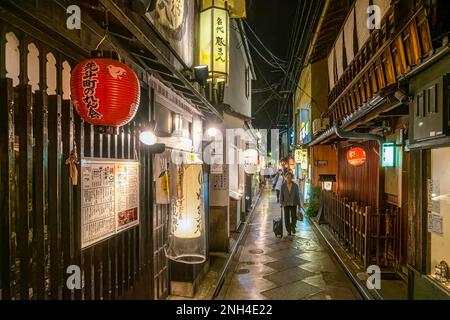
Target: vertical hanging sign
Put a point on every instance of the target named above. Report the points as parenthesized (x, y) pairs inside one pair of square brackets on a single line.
[(214, 39), (127, 195), (220, 39), (109, 198)]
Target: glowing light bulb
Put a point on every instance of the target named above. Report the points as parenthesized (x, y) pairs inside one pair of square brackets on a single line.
[(212, 132), (148, 138)]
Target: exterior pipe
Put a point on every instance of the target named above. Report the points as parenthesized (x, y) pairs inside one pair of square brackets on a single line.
[(352, 135)]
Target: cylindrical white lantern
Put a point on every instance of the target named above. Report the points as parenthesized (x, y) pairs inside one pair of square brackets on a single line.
[(251, 161), (187, 239)]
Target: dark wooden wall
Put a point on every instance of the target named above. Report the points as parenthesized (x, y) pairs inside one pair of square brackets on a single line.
[(39, 206), (360, 184)]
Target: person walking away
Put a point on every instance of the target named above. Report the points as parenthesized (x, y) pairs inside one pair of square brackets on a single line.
[(275, 179), (278, 183), (290, 201)]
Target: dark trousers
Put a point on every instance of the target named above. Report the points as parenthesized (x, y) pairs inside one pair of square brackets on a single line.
[(290, 218), (278, 195)]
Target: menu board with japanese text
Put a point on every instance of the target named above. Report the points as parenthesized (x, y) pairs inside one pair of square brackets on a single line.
[(127, 194), (109, 198)]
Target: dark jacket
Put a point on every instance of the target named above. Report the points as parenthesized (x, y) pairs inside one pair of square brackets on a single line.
[(290, 198)]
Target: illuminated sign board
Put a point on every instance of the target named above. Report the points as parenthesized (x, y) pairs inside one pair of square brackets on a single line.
[(305, 126), (214, 39), (301, 157), (388, 154)]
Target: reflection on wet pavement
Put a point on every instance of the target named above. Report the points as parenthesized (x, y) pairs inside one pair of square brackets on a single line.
[(293, 268)]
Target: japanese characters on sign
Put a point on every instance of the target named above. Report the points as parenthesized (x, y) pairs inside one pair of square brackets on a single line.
[(301, 158), (220, 44), (214, 41), (90, 74), (127, 194), (109, 198), (356, 156), (97, 202), (105, 92)]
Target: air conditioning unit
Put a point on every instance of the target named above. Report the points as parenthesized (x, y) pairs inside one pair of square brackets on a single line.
[(320, 125), (430, 109)]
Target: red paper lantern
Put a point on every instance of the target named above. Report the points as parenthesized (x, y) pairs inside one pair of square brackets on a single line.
[(105, 92), (356, 156)]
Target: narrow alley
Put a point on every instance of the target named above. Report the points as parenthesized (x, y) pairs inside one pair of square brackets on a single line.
[(292, 268), (152, 149)]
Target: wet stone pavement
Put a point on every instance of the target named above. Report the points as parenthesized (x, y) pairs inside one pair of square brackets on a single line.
[(296, 267)]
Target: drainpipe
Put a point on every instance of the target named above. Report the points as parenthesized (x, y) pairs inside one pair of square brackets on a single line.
[(353, 135)]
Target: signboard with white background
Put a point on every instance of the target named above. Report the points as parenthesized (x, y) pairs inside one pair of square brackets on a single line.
[(109, 198)]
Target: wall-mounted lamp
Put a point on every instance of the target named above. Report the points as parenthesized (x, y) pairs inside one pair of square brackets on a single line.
[(148, 137), (201, 75), (148, 134), (212, 132)]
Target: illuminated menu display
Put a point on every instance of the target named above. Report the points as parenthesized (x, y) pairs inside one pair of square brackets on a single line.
[(109, 198)]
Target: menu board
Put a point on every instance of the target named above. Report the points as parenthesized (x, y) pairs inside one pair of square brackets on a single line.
[(109, 198)]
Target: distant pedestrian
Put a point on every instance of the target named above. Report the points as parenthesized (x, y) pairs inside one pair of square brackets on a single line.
[(279, 179), (290, 201)]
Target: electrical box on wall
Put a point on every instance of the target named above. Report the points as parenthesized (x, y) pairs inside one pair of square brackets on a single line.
[(320, 125), (431, 110)]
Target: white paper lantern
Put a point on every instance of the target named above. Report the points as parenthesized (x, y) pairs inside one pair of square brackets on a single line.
[(187, 239), (251, 161)]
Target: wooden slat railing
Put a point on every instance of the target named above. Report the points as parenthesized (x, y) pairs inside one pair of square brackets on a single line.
[(370, 235), (350, 224)]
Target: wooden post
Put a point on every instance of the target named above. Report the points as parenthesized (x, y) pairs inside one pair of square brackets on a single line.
[(120, 240), (126, 234), (88, 253), (41, 187), (68, 231), (387, 235), (54, 195), (25, 213), (113, 247), (378, 241), (367, 236), (79, 141), (361, 232), (106, 245), (352, 227), (7, 184)]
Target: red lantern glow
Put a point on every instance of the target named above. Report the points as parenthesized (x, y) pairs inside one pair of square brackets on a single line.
[(105, 92), (356, 156)]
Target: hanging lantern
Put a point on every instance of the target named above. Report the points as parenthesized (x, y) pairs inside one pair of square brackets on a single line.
[(214, 38), (250, 161), (105, 92), (356, 156), (187, 239)]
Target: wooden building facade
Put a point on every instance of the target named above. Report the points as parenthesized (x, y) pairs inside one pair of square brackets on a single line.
[(40, 131), (379, 210)]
